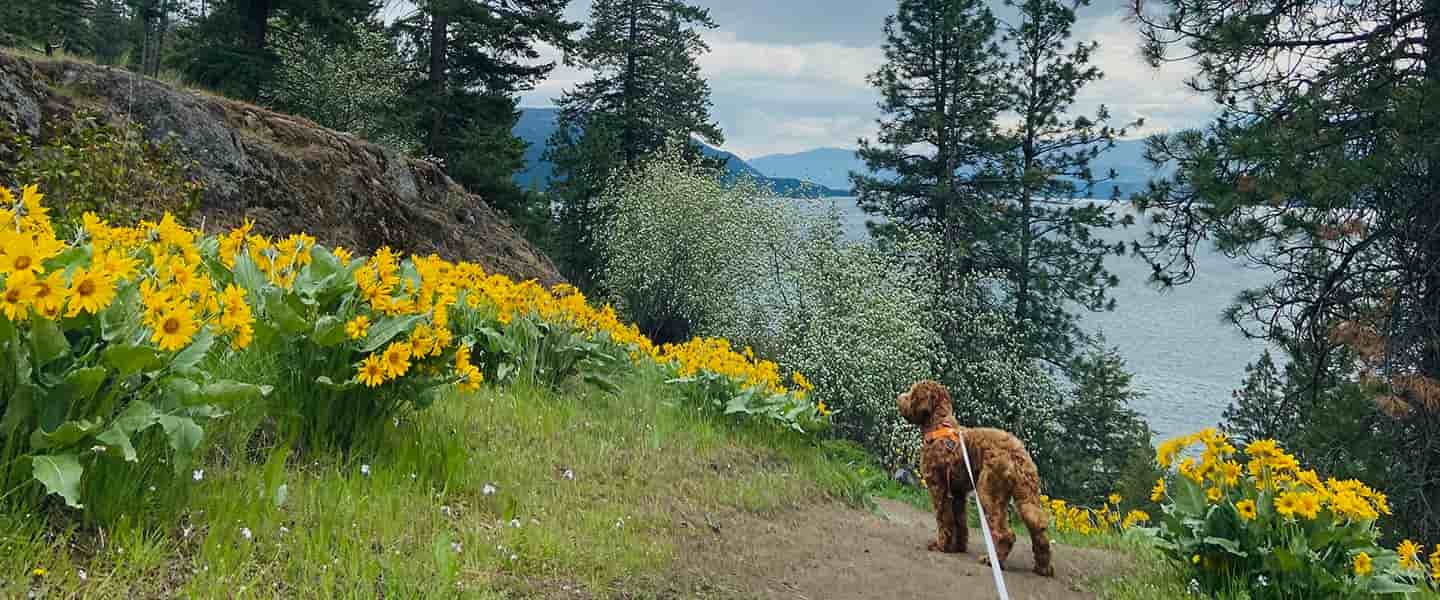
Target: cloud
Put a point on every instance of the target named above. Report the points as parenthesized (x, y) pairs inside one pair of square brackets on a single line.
[(773, 95)]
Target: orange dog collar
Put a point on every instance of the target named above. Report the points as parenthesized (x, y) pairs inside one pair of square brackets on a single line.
[(943, 433)]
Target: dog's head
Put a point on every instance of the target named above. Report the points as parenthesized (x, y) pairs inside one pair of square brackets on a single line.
[(924, 402)]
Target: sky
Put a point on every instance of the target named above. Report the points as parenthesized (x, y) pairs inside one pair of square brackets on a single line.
[(789, 75)]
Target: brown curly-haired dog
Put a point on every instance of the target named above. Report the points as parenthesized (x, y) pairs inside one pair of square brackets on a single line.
[(1003, 471)]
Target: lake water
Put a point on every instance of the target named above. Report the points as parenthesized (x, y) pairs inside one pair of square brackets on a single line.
[(1186, 360)]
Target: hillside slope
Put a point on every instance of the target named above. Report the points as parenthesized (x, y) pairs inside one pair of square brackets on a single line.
[(285, 173)]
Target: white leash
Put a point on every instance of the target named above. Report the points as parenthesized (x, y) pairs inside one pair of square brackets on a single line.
[(984, 524)]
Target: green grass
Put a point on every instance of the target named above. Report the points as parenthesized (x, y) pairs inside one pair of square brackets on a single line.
[(421, 523)]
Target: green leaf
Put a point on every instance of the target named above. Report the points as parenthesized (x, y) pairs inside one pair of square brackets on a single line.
[(128, 360), (386, 329), (1229, 545), (80, 385), (67, 434), (195, 352), (60, 474), (329, 331), (249, 276), (20, 406), (49, 341), (230, 393), (120, 318), (285, 314), (185, 436), (1386, 584), (330, 384)]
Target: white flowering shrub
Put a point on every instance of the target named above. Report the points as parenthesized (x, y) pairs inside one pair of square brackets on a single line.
[(684, 253)]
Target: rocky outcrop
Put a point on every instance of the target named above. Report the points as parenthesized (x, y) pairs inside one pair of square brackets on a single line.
[(285, 173)]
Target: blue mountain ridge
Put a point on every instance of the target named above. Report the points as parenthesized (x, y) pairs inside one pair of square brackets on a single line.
[(537, 124)]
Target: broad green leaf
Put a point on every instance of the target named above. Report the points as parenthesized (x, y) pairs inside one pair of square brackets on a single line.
[(67, 434), (49, 341), (180, 391), (128, 360), (185, 436), (118, 440), (120, 318), (386, 329), (249, 276), (1229, 545), (195, 352), (60, 474), (79, 385), (738, 404), (329, 331), (19, 408), (230, 393), (1386, 584), (286, 316), (330, 384)]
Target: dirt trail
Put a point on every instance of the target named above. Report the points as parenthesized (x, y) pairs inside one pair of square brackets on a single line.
[(845, 554)]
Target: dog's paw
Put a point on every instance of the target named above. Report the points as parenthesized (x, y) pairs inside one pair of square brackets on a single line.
[(933, 546), (985, 560), (1045, 570)]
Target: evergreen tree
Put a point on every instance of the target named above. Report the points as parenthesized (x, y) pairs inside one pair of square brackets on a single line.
[(474, 58), (647, 89), (51, 24), (1101, 435), (1324, 165), (938, 130), (1047, 244), (229, 50)]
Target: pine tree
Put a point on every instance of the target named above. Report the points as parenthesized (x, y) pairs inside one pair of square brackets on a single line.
[(1048, 247), (228, 48), (938, 131), (1324, 166), (646, 91)]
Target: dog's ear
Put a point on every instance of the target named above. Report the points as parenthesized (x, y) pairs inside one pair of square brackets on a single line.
[(914, 405), (929, 399)]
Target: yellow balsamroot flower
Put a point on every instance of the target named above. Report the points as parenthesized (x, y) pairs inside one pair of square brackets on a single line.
[(822, 409), (1287, 504), (358, 327), (49, 294), (341, 253), (1308, 505), (1363, 565), (175, 328), (1246, 508), (1158, 492), (1214, 495), (19, 290), (1408, 552), (397, 359), (1191, 470), (38, 572), (1135, 517), (472, 378), (1262, 449), (90, 292), (22, 252), (372, 371), (1230, 472), (1115, 498), (1435, 564)]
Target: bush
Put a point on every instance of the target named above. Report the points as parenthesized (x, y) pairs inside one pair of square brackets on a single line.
[(685, 252), (90, 165), (100, 342), (1271, 522), (106, 337)]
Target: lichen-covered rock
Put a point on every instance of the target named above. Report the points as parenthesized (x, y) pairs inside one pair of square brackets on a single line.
[(285, 173)]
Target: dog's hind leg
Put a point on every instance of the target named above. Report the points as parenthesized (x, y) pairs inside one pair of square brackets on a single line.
[(1037, 520), (995, 499)]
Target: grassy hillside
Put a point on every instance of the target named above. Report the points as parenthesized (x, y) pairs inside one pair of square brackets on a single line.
[(524, 490)]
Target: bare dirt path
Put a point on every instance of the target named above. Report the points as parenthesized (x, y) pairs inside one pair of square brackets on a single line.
[(844, 554)]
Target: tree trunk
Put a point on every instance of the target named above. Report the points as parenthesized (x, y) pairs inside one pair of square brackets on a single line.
[(439, 47), (632, 154), (257, 23)]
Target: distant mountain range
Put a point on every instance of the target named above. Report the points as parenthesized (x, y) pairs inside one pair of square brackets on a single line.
[(537, 124), (831, 167), (820, 172)]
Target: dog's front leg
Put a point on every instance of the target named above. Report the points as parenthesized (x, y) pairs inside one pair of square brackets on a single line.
[(949, 526)]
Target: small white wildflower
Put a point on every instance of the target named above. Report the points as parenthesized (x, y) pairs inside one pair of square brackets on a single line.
[(514, 558), (619, 523), (412, 476), (365, 470), (455, 547), (152, 488), (1262, 581), (515, 523), (445, 510), (488, 490), (568, 475), (82, 575), (97, 449), (245, 533), (198, 474), (284, 530)]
